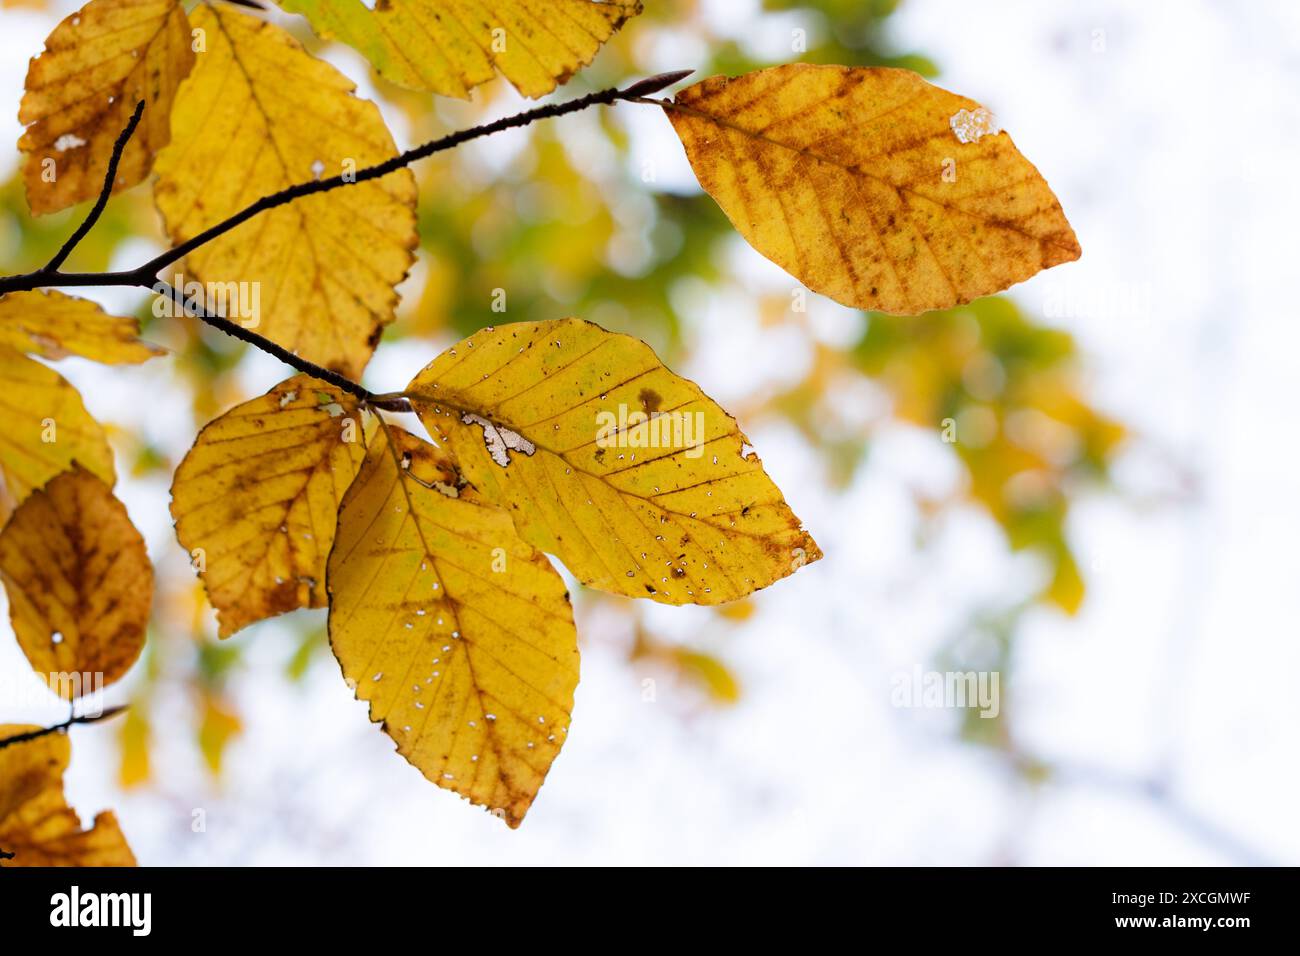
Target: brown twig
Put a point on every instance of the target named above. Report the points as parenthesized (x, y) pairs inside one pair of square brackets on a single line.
[(145, 275), (60, 728), (105, 191)]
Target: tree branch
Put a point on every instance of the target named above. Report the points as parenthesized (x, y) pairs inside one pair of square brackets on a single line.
[(451, 141), (195, 308), (107, 190), (145, 275), (60, 728)]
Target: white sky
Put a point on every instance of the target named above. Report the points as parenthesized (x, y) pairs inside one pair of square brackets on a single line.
[(1173, 149)]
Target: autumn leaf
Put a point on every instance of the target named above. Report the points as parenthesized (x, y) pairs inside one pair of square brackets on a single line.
[(870, 185), (451, 46), (36, 824), (47, 428), (629, 474), (458, 633), (259, 114), (218, 728), (80, 92), (79, 582), (256, 499), (53, 326)]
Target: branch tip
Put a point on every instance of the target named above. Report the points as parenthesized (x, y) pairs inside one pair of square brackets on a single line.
[(653, 84)]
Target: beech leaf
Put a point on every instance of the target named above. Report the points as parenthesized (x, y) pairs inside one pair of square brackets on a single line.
[(458, 633), (629, 474), (256, 498), (870, 185)]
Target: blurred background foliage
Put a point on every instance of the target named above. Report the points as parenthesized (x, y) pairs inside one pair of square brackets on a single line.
[(574, 223)]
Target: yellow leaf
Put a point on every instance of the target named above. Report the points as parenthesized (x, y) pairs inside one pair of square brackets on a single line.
[(631, 475), (218, 726), (36, 824), (458, 633), (134, 766), (79, 582), (80, 93), (715, 677), (53, 325), (451, 46), (46, 429), (256, 499), (1067, 587), (260, 114), (870, 185)]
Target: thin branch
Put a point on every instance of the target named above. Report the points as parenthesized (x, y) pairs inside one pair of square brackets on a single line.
[(195, 308), (145, 275), (378, 171), (106, 191), (60, 728)]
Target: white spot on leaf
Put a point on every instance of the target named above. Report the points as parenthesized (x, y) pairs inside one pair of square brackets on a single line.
[(500, 441), (969, 125)]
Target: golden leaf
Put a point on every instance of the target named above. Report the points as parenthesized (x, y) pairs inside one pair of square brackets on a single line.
[(260, 114), (458, 633), (256, 499), (451, 46), (81, 91), (870, 185), (36, 824), (79, 582), (53, 325), (46, 429), (629, 474)]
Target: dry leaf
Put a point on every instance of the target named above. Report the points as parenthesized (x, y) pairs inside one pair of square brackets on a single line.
[(260, 114), (79, 582), (53, 325), (256, 499), (451, 46), (36, 824), (458, 633), (870, 185), (631, 475), (81, 91), (46, 429)]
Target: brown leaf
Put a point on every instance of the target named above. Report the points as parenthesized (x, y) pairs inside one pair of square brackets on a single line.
[(79, 582), (36, 824), (80, 93)]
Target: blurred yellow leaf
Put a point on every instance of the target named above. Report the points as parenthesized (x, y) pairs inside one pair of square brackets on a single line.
[(53, 325), (218, 726), (458, 633), (260, 114), (709, 671), (870, 185), (256, 499), (79, 582), (81, 91), (36, 824), (451, 46), (631, 475), (1067, 589), (134, 766), (738, 611)]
